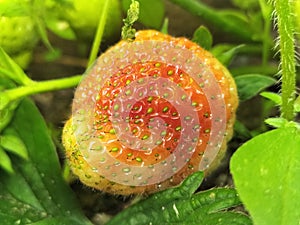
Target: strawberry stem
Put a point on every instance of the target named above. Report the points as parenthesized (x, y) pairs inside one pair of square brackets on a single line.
[(40, 87), (99, 34)]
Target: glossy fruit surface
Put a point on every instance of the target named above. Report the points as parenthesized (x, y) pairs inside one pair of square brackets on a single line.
[(149, 113)]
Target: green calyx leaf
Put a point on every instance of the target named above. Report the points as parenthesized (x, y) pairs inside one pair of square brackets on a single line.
[(265, 172), (180, 206), (225, 53), (203, 37), (146, 12), (132, 16), (165, 26)]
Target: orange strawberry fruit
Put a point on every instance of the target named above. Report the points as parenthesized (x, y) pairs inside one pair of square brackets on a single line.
[(149, 113)]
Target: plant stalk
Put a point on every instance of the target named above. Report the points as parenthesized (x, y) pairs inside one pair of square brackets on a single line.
[(214, 17), (42, 86), (99, 34), (285, 23)]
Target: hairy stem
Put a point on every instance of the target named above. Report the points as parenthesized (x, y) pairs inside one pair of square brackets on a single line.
[(285, 24)]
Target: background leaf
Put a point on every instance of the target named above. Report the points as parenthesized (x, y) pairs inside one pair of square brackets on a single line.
[(274, 97), (12, 143), (225, 54), (14, 8), (5, 161), (11, 69), (250, 85), (266, 173), (36, 192)]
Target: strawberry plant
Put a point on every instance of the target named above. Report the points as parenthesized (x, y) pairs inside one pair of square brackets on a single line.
[(149, 127)]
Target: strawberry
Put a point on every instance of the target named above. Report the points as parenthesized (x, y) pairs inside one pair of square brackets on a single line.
[(148, 114), (19, 34)]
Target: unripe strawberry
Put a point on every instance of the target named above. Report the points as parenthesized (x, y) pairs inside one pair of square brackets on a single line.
[(84, 17), (149, 113), (18, 37)]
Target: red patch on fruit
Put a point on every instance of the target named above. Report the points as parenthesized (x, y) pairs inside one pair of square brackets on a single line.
[(143, 143)]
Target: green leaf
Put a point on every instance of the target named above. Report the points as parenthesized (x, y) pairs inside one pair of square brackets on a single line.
[(12, 143), (297, 104), (12, 70), (36, 193), (249, 4), (42, 30), (151, 12), (215, 18), (14, 8), (225, 53), (266, 173), (281, 122), (6, 109), (180, 206), (7, 113), (241, 131), (60, 27), (237, 16), (5, 161), (276, 122), (203, 37), (276, 98), (219, 49), (250, 85)]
